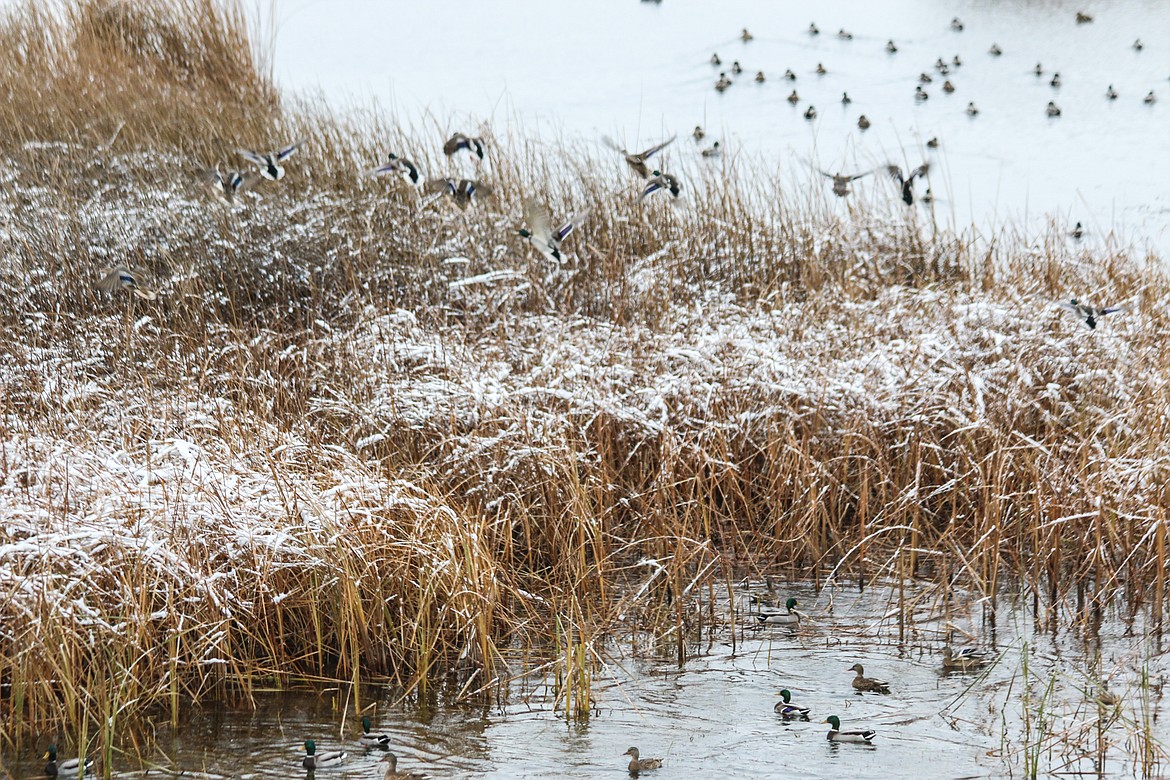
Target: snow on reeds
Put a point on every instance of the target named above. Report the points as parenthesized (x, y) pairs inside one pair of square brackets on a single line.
[(363, 434)]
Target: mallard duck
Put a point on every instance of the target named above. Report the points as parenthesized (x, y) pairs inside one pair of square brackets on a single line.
[(907, 183), (1149, 99), (939, 64), (269, 163), (227, 185), (932, 143), (723, 83), (972, 110), (736, 68), (995, 51), (637, 162), (397, 165), (464, 191), (812, 29), (662, 181), (1055, 80), (837, 735), (956, 25), (1077, 232), (1053, 109), (924, 78), (1106, 697), (67, 767), (640, 764), (746, 36), (370, 739), (920, 93), (122, 278), (789, 75), (844, 34), (948, 87), (840, 189), (863, 122), (891, 48), (713, 151), (862, 683), (1090, 314), (1083, 18), (1039, 71), (1138, 45), (760, 77), (963, 661), (314, 761), (810, 113), (392, 772), (793, 98), (715, 60), (790, 615), (956, 61), (926, 197), (460, 141), (845, 99), (1111, 93), (698, 133), (821, 69), (786, 708), (540, 233)]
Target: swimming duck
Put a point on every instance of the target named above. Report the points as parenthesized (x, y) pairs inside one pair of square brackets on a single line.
[(397, 165), (845, 99), (787, 709), (1039, 71), (640, 764), (956, 25), (1090, 314), (939, 64), (945, 70), (1083, 18), (810, 113), (460, 141), (863, 122), (269, 163), (821, 69), (788, 74), (812, 29), (698, 133), (790, 616), (890, 47), (907, 184), (1149, 99), (948, 87), (312, 760), (370, 739), (862, 683), (1078, 232), (227, 185), (926, 197), (995, 51), (713, 151), (1055, 80), (837, 735), (925, 78), (844, 34), (956, 61), (540, 233), (392, 772), (920, 94), (464, 191), (746, 36), (972, 110), (637, 162), (1111, 93), (932, 143), (662, 181), (122, 278), (723, 82), (715, 60), (736, 68), (1106, 697), (793, 98), (1053, 109), (963, 661), (1138, 45), (67, 767), (760, 77)]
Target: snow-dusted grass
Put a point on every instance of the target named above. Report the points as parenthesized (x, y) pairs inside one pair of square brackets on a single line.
[(361, 433)]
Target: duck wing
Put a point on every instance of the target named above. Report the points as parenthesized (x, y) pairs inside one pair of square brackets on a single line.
[(571, 224), (285, 151), (653, 150), (537, 218)]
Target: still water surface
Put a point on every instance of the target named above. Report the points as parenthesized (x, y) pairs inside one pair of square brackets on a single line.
[(640, 71)]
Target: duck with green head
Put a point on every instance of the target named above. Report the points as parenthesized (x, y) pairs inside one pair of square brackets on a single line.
[(315, 760), (837, 735), (787, 709), (67, 767), (863, 684), (370, 739), (788, 617)]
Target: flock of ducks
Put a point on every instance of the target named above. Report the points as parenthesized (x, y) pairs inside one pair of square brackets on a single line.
[(942, 66)]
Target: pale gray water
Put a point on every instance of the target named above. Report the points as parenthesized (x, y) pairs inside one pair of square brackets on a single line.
[(640, 71), (714, 718)]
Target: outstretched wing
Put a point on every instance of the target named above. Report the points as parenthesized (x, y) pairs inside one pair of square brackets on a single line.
[(895, 173), (253, 157), (653, 150), (287, 150), (447, 186), (571, 224), (537, 218)]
